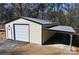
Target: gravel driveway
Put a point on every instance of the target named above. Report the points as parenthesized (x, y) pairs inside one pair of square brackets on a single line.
[(9, 45)]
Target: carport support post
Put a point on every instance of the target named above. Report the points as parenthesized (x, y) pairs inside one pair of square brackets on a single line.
[(70, 48)]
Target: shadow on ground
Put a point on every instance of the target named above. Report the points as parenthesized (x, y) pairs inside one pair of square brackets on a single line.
[(61, 38)]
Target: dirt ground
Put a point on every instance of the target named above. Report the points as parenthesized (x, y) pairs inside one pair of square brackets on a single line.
[(2, 36), (34, 49)]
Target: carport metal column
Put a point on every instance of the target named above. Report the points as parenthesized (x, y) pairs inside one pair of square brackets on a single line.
[(71, 37)]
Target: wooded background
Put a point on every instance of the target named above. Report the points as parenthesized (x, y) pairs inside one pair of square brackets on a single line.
[(62, 13)]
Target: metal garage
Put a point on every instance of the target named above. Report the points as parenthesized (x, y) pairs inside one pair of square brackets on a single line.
[(29, 29)]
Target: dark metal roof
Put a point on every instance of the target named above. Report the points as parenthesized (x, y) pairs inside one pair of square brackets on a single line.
[(50, 25), (45, 23)]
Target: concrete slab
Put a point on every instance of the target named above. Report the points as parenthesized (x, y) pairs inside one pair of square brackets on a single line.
[(10, 45)]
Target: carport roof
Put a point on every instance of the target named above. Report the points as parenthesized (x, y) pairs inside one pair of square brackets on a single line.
[(63, 29)]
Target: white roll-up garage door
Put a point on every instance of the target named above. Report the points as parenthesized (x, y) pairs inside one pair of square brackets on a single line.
[(22, 32)]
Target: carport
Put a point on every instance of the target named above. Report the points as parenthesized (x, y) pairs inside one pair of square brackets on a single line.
[(65, 29)]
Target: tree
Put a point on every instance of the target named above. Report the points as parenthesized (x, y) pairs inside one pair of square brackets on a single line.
[(62, 13), (41, 7)]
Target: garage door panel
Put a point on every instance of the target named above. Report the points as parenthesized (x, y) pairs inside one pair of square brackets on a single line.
[(21, 37), (22, 32)]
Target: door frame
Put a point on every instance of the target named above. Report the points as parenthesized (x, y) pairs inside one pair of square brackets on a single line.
[(8, 31), (21, 24)]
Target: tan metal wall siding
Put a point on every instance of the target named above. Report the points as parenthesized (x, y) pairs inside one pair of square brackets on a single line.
[(35, 30), (47, 34)]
